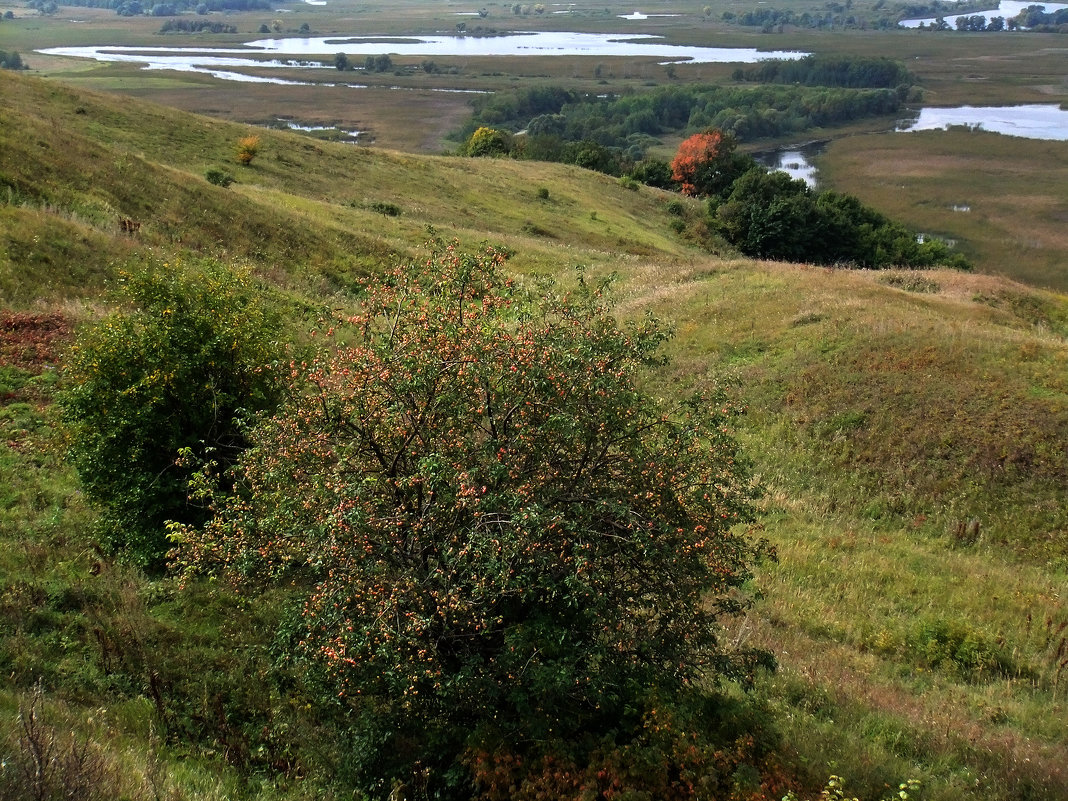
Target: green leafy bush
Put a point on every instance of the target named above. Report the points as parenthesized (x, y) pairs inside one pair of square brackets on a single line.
[(389, 209), (219, 177), (176, 366)]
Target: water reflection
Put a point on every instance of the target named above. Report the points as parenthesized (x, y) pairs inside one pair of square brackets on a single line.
[(794, 161), (1007, 9), (1028, 121)]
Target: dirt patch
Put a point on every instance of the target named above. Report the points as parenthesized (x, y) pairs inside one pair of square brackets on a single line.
[(31, 342)]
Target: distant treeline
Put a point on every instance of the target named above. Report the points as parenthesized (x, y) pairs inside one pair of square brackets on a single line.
[(836, 15), (1032, 18), (195, 26), (169, 8), (840, 71), (630, 123)]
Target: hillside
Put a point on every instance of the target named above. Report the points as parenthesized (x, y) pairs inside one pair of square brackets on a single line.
[(887, 412)]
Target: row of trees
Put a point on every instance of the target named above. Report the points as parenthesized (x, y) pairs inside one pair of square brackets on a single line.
[(853, 72), (379, 63), (508, 564), (1031, 18), (132, 8), (882, 16), (196, 26), (557, 120), (764, 214)]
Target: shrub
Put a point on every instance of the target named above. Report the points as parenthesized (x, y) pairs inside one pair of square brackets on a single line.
[(507, 543), (247, 149), (219, 177), (543, 193), (389, 209), (488, 142), (175, 367)]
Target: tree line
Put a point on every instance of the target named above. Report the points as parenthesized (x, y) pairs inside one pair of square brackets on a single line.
[(195, 26), (561, 125), (849, 72), (133, 8)]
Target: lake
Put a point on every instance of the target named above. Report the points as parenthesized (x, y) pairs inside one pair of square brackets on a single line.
[(221, 62), (1038, 121)]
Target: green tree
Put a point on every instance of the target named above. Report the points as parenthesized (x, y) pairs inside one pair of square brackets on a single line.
[(175, 366), (508, 543), (341, 61), (488, 142)]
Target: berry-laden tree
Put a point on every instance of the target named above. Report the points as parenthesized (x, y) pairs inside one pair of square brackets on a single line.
[(511, 547), (706, 164)]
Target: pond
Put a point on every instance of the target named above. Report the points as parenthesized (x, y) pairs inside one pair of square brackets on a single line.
[(793, 160), (1007, 9), (602, 45), (1038, 121)]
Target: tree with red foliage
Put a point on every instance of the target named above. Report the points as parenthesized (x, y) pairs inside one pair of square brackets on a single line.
[(706, 164), (507, 543)]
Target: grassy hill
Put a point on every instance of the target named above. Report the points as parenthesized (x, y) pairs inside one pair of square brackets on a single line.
[(910, 429)]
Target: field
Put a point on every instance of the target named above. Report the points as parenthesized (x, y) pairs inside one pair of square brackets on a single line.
[(909, 427)]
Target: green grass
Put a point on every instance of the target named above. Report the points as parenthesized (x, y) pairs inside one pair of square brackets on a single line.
[(1013, 189)]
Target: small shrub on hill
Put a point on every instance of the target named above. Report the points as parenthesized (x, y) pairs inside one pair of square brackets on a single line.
[(219, 177), (247, 149), (388, 209), (176, 366), (488, 142)]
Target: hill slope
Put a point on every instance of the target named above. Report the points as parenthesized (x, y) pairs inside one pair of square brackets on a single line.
[(887, 412)]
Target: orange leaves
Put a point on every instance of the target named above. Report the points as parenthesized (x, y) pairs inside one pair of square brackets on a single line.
[(692, 155), (247, 149)]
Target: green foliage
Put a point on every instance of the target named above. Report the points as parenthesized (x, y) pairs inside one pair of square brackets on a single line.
[(507, 542), (379, 63), (628, 124), (854, 72), (388, 209), (772, 216), (219, 177), (835, 791), (488, 142), (173, 369), (11, 61)]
